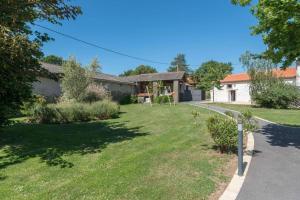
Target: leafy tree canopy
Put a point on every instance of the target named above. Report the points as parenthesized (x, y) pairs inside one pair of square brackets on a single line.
[(141, 69), (179, 64), (279, 25), (210, 73), (20, 46), (53, 59)]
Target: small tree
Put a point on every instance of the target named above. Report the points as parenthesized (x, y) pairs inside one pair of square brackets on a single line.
[(209, 75), (179, 64), (75, 80)]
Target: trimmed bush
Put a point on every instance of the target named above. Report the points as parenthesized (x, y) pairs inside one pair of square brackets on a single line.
[(104, 109), (75, 112), (224, 132)]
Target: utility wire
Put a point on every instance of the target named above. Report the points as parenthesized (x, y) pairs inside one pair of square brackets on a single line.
[(100, 47), (107, 49)]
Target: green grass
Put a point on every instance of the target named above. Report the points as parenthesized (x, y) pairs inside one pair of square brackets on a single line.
[(146, 153), (289, 117)]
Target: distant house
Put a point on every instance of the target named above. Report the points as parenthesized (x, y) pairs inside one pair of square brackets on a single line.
[(176, 82), (235, 87), (51, 89)]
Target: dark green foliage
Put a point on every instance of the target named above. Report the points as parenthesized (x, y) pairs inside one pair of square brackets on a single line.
[(279, 26), (210, 73), (224, 132), (129, 99), (162, 99), (141, 69), (277, 94), (179, 64), (44, 114), (28, 106), (53, 59), (74, 112), (20, 47)]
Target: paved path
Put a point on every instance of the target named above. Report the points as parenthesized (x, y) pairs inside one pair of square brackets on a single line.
[(274, 172)]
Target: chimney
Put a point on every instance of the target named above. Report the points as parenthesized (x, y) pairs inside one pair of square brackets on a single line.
[(298, 72)]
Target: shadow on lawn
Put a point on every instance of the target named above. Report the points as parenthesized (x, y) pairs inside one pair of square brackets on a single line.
[(51, 142)]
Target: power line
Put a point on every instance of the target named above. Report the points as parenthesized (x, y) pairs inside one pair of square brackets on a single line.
[(100, 47), (108, 49)]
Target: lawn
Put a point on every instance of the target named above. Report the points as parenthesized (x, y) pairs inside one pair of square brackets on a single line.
[(281, 116), (147, 153)]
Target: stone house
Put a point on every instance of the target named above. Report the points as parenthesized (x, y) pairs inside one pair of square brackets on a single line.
[(51, 89), (175, 82)]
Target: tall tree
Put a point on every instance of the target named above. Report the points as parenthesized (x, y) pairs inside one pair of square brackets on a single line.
[(279, 25), (179, 64), (141, 69), (209, 75), (53, 59), (20, 46)]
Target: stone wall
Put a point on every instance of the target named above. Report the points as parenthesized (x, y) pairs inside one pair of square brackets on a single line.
[(51, 89)]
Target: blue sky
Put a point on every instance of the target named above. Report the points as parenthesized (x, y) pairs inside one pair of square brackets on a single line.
[(157, 30)]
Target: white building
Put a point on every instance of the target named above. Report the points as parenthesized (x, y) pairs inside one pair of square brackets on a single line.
[(235, 87)]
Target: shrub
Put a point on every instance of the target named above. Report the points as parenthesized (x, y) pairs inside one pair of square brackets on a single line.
[(129, 99), (276, 94), (163, 99), (224, 132), (95, 92), (134, 99), (44, 114), (75, 112), (104, 109), (28, 106), (72, 112), (249, 124)]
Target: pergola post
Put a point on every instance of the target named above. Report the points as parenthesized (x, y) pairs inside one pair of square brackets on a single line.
[(155, 89), (176, 91)]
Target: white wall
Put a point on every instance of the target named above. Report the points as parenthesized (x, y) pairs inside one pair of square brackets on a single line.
[(242, 92)]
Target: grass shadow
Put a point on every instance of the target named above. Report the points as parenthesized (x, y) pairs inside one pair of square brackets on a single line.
[(52, 142)]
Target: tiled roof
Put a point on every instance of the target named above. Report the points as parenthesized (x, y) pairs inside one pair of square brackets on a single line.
[(155, 77), (287, 73), (52, 68), (56, 69)]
